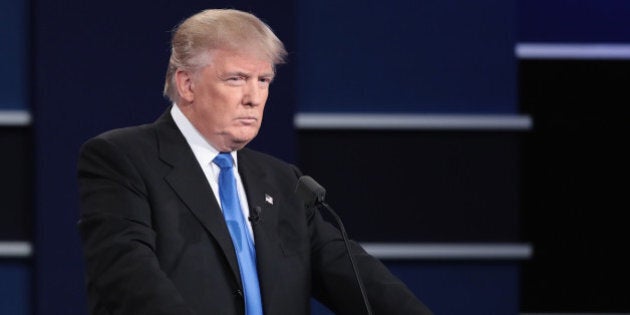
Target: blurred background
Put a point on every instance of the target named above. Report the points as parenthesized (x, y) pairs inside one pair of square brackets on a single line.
[(476, 147)]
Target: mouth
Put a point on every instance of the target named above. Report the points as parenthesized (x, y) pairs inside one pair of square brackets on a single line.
[(247, 120)]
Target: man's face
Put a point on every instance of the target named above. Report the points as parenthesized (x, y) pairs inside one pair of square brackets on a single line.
[(229, 97)]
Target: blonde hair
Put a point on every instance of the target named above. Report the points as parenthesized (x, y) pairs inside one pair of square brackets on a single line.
[(211, 29)]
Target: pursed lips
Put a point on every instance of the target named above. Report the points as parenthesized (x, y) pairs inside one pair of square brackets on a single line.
[(248, 120)]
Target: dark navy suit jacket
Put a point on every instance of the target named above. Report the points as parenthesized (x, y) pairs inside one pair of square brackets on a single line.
[(155, 240)]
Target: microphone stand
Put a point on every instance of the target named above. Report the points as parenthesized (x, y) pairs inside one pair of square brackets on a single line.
[(366, 302)]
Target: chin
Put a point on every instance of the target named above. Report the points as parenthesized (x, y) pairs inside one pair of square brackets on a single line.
[(239, 143), (242, 138)]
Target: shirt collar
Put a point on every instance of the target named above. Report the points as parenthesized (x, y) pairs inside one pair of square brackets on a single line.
[(203, 150)]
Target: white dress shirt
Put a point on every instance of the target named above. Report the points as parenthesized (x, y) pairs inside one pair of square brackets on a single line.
[(205, 153)]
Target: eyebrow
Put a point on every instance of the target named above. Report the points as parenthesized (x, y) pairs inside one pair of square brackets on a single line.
[(247, 75)]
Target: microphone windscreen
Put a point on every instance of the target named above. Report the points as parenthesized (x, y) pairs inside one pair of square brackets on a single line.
[(310, 191)]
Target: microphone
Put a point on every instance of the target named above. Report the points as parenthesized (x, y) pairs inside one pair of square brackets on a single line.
[(310, 191), (313, 195)]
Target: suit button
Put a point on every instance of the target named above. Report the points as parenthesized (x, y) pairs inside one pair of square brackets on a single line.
[(238, 294)]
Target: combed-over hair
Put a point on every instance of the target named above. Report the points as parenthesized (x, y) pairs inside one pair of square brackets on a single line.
[(212, 29)]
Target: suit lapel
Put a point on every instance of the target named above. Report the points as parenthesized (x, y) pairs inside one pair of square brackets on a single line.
[(260, 193), (187, 180)]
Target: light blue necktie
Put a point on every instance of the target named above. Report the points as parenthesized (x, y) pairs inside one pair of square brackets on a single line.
[(243, 243)]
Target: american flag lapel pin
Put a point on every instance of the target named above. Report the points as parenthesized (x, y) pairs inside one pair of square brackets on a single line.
[(269, 199)]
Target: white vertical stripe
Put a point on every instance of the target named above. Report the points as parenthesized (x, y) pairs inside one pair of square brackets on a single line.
[(483, 251), (572, 51), (15, 118), (412, 121), (15, 249)]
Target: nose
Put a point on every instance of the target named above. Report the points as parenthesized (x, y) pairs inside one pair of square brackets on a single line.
[(254, 95)]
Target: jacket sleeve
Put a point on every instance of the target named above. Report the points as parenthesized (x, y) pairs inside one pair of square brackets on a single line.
[(122, 270)]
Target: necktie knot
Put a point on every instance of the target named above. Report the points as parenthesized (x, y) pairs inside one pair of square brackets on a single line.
[(224, 161)]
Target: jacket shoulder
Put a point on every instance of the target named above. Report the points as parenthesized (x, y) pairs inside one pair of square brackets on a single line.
[(265, 159), (127, 139)]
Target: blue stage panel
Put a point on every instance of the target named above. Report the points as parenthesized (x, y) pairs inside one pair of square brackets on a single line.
[(13, 54), (406, 56), (584, 21), (15, 288)]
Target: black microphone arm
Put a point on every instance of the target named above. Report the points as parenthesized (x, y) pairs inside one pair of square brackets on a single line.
[(313, 194)]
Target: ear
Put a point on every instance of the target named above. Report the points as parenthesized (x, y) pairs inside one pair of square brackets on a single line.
[(185, 85)]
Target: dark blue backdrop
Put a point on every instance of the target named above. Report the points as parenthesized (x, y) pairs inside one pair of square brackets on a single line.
[(13, 53), (100, 65), (571, 21), (407, 56)]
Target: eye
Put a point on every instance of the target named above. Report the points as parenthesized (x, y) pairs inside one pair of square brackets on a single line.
[(235, 80), (265, 81)]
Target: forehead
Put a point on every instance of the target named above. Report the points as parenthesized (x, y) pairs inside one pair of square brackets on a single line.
[(243, 61)]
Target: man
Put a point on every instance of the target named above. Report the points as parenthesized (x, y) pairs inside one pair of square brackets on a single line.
[(164, 205)]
